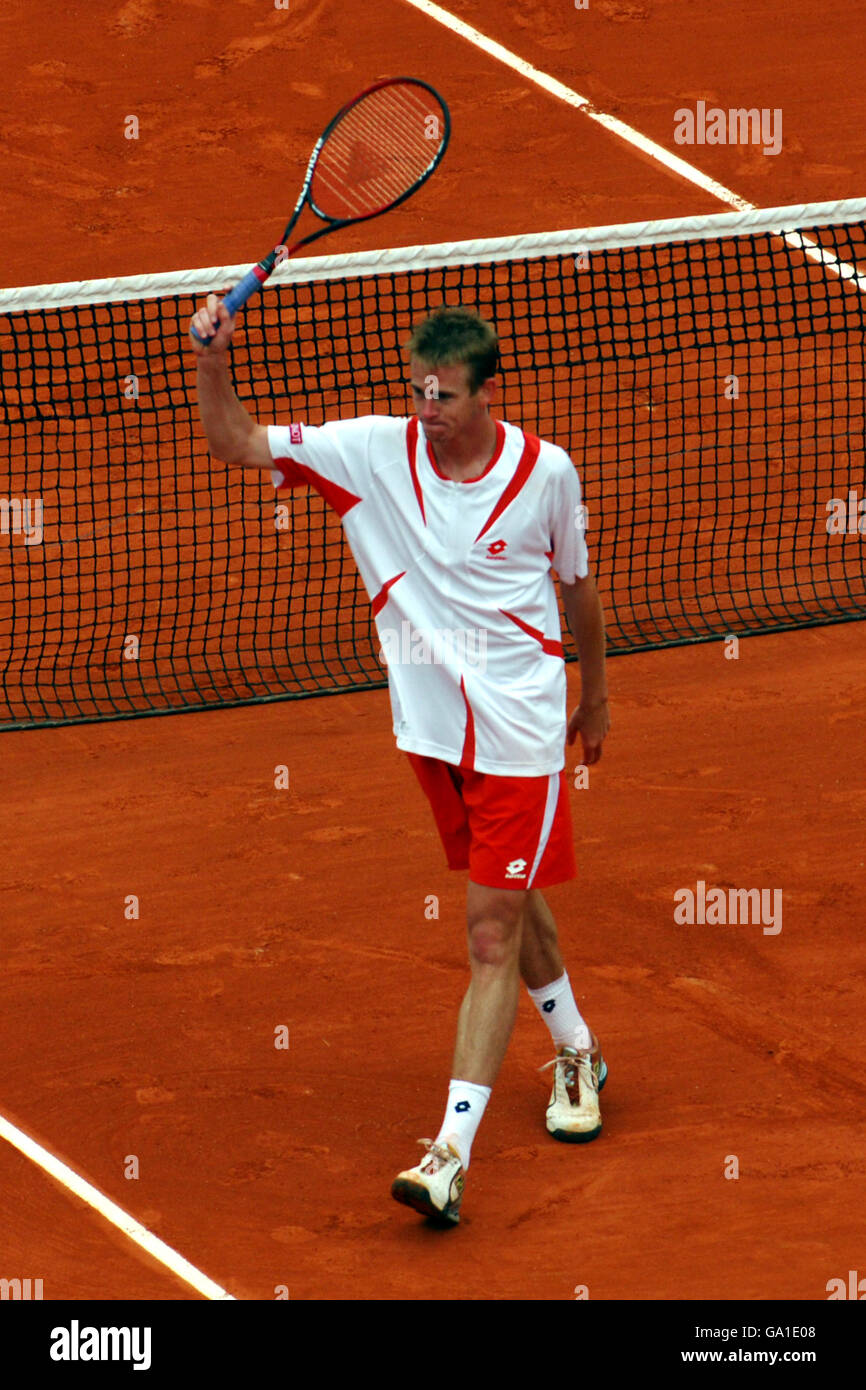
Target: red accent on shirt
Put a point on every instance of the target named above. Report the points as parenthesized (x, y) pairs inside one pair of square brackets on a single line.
[(382, 597), (527, 462), (548, 645), (467, 757), (412, 448), (294, 474)]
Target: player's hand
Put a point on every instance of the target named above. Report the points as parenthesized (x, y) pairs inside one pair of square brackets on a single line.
[(212, 318), (592, 723)]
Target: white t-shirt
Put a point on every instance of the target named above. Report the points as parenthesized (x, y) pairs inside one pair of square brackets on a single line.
[(459, 576)]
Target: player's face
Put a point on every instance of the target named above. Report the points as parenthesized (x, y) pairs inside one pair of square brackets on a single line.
[(443, 401)]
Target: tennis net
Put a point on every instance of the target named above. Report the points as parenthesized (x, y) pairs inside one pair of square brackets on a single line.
[(705, 375)]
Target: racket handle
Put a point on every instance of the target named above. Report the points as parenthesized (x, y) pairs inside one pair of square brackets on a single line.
[(237, 298)]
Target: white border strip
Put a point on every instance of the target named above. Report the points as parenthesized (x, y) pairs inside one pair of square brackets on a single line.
[(779, 221), (112, 1212)]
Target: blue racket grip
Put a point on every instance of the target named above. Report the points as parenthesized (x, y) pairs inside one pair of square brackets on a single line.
[(237, 298)]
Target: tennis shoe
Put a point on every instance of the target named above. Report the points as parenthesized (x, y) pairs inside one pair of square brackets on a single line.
[(573, 1114), (435, 1186)]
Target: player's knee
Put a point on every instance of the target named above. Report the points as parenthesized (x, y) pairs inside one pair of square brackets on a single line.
[(493, 942)]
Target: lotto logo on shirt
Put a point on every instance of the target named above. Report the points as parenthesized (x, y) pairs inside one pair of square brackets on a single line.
[(296, 434), (516, 869)]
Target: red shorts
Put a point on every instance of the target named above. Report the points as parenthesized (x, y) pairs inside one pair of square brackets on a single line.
[(509, 832)]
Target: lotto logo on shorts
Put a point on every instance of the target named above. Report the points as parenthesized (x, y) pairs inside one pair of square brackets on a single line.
[(296, 434), (516, 869)]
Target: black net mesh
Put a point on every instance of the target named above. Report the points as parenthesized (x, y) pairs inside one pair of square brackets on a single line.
[(711, 394)]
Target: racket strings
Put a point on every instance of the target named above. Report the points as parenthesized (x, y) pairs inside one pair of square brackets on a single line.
[(372, 159), (377, 152)]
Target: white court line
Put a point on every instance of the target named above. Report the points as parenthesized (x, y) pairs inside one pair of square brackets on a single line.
[(628, 133), (73, 1182), (572, 98)]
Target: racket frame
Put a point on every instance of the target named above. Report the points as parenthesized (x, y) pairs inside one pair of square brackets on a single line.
[(258, 276)]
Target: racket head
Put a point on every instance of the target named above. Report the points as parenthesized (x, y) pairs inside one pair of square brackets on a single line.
[(378, 150)]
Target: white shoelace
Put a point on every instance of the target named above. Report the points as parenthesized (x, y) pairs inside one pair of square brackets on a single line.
[(438, 1151), (572, 1058)]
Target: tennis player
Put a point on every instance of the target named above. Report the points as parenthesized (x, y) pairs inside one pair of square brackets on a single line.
[(456, 520)]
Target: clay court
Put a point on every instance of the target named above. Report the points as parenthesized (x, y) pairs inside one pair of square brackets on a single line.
[(304, 908)]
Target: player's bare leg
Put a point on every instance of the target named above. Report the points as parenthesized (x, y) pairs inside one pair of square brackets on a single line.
[(489, 1007), (484, 1027), (540, 959), (543, 972), (579, 1070)]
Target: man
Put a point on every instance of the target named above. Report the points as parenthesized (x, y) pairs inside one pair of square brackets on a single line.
[(455, 520)]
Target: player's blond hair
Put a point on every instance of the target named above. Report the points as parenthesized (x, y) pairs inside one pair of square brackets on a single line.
[(452, 335)]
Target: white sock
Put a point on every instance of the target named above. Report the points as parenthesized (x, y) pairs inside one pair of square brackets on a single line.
[(466, 1105), (555, 1003)]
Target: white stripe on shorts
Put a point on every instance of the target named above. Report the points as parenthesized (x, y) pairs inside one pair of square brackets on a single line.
[(546, 824)]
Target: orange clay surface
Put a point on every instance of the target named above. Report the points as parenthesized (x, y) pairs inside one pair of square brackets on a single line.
[(306, 907)]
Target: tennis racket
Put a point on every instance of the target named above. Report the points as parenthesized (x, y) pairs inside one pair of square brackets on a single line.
[(375, 153)]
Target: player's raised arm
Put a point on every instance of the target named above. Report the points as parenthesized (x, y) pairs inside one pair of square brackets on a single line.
[(232, 434)]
